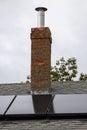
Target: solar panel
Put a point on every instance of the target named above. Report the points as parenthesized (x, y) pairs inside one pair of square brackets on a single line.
[(29, 106), (43, 106), (66, 105), (4, 103)]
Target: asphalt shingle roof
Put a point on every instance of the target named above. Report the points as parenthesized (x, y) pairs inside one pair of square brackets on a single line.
[(46, 124)]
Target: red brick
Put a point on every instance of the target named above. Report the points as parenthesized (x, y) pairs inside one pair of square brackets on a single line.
[(40, 58)]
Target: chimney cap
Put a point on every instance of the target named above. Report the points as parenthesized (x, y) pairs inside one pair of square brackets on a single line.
[(41, 9)]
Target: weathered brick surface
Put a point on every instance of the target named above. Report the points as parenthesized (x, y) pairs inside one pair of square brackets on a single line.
[(40, 58), (42, 32)]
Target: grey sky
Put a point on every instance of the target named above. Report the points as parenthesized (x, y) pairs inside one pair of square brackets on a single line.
[(67, 20)]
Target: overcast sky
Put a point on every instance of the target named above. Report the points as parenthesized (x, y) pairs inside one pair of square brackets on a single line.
[(67, 20)]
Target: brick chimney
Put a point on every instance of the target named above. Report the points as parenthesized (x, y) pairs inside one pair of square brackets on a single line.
[(40, 54)]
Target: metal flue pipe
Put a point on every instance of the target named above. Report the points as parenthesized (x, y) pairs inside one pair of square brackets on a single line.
[(41, 16)]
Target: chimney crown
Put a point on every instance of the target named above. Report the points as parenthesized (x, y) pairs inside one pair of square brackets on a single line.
[(38, 33)]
